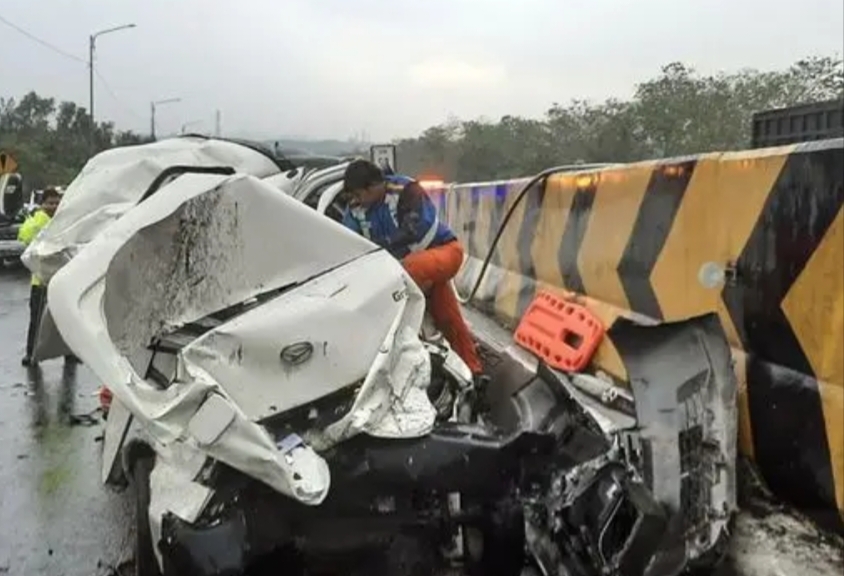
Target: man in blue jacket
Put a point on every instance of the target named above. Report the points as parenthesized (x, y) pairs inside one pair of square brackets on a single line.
[(396, 213)]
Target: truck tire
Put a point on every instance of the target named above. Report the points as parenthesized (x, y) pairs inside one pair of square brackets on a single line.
[(146, 563)]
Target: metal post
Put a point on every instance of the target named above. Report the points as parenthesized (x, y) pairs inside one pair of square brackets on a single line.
[(152, 106), (91, 42), (152, 120)]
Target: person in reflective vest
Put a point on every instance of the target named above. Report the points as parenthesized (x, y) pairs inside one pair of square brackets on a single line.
[(396, 213), (31, 227)]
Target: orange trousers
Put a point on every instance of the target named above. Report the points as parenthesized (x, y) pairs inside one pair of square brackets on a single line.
[(432, 270)]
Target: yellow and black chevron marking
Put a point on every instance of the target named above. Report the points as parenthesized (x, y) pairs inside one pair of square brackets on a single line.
[(663, 196), (633, 240), (786, 389), (510, 295)]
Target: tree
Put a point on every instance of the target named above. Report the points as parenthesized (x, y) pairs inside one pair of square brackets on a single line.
[(678, 112), (814, 79), (52, 141)]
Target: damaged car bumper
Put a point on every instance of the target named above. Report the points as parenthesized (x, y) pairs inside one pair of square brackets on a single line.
[(589, 502)]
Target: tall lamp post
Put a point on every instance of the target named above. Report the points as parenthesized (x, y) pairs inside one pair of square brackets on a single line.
[(152, 107), (92, 45)]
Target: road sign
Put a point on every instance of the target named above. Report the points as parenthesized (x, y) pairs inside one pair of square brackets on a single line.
[(384, 155), (8, 164)]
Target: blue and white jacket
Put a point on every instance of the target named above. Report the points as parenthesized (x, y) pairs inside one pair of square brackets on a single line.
[(405, 221)]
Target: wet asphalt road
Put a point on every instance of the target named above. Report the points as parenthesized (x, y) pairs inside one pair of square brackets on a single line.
[(55, 517)]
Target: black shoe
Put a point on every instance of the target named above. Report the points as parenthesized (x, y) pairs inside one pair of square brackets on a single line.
[(71, 359), (26, 361)]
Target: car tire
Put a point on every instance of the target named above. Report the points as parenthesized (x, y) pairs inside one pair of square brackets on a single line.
[(146, 562)]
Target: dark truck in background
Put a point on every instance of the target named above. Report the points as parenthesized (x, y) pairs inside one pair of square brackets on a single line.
[(801, 123)]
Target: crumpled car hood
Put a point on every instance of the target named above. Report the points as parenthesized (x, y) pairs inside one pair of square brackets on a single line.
[(205, 243), (112, 182)]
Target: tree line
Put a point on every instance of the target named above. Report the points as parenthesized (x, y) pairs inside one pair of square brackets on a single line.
[(52, 140), (678, 112)]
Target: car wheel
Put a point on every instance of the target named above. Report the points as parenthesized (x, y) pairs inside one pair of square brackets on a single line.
[(146, 563)]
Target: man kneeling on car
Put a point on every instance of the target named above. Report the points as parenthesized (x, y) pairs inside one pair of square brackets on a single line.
[(396, 213)]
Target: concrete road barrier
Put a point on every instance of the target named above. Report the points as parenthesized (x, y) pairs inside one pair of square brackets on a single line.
[(756, 236)]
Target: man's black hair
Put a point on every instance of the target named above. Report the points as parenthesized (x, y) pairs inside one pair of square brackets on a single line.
[(361, 174), (50, 193)]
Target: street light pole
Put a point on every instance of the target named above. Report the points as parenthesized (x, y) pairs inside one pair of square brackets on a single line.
[(152, 106), (92, 43)]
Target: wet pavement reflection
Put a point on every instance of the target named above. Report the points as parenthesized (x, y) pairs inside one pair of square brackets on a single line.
[(55, 517)]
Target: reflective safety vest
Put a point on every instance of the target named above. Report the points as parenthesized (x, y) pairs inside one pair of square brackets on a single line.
[(28, 231), (405, 221)]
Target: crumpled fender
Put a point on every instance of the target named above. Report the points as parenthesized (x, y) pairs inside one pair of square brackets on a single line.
[(685, 393)]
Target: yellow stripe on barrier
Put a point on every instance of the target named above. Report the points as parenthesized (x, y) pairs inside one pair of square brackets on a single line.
[(814, 301), (617, 201), (745, 430), (553, 215), (507, 292)]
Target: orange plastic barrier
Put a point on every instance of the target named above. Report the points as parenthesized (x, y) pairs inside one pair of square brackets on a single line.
[(564, 335)]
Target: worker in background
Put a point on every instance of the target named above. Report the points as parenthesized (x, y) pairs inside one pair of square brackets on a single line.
[(396, 213), (38, 292)]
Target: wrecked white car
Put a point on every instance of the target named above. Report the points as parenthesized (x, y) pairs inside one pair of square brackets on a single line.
[(277, 391)]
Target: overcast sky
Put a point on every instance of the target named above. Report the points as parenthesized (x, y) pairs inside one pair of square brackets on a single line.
[(334, 68)]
